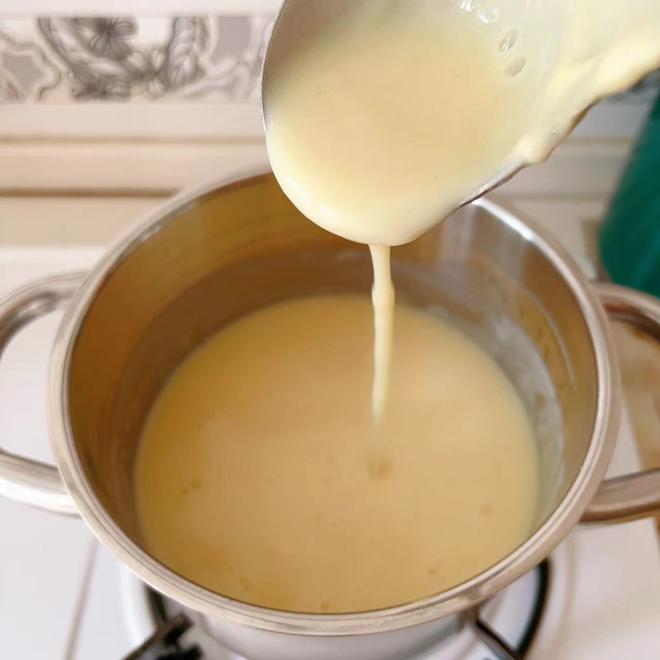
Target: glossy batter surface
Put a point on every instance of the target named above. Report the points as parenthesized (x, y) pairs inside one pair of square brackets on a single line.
[(261, 474)]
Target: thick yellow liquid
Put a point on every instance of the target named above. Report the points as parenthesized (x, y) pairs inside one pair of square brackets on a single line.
[(396, 111), (261, 475), (390, 116)]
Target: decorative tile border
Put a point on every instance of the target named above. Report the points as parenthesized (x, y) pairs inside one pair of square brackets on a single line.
[(210, 59)]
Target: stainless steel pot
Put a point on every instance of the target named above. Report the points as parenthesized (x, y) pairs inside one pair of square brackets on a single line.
[(212, 255)]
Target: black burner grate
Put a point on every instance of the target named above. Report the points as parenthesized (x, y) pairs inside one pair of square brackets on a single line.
[(165, 643)]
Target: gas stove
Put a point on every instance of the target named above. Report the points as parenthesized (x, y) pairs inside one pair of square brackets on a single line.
[(598, 598)]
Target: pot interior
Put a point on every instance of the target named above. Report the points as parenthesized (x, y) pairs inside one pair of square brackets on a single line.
[(243, 246)]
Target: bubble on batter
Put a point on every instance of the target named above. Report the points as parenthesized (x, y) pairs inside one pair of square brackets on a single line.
[(245, 583), (508, 41), (516, 67), (380, 467)]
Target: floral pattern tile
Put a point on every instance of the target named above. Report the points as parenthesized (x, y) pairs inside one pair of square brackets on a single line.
[(78, 59)]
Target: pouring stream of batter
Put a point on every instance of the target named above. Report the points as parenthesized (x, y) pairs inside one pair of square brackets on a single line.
[(395, 112)]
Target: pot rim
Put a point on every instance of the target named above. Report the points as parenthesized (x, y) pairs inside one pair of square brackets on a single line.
[(461, 597)]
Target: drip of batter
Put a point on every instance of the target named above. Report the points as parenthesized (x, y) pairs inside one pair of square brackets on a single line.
[(383, 299)]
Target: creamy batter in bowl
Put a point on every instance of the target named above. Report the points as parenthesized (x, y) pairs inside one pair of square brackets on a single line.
[(214, 255), (262, 475)]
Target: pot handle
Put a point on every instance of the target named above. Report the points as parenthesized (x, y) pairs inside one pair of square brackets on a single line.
[(634, 495), (23, 479)]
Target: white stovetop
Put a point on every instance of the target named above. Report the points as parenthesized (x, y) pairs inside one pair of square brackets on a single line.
[(59, 595)]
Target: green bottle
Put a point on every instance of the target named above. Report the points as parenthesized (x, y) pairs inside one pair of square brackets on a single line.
[(630, 237)]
